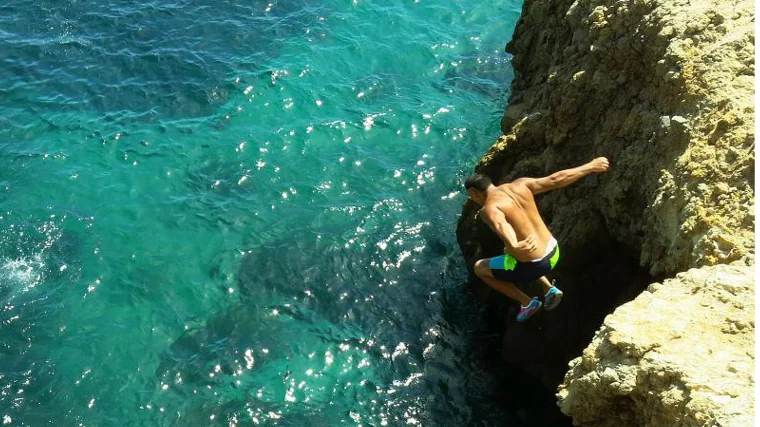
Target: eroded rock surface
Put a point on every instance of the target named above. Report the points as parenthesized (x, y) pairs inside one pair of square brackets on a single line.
[(662, 88), (680, 354)]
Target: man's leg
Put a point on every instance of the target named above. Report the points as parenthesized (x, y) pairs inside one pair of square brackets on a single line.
[(483, 271), (545, 283)]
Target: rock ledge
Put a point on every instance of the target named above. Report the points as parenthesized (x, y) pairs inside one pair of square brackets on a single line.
[(681, 354)]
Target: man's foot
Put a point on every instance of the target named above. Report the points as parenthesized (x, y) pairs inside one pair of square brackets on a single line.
[(530, 310), (552, 298)]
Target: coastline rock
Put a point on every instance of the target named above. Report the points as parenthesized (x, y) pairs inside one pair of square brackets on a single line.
[(680, 354), (664, 89)]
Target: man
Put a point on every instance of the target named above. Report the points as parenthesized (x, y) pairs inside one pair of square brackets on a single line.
[(530, 250)]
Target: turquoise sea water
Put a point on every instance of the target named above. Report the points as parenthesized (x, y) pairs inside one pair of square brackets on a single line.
[(221, 213)]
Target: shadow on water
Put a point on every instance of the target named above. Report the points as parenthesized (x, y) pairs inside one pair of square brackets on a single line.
[(305, 340)]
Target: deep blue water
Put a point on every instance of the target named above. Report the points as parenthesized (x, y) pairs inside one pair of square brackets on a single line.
[(215, 213)]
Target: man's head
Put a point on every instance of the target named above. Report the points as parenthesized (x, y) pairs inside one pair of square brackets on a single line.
[(477, 185)]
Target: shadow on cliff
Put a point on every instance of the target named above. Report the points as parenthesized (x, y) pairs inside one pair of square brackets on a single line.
[(596, 277)]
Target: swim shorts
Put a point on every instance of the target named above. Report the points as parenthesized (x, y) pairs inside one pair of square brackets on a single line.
[(508, 269)]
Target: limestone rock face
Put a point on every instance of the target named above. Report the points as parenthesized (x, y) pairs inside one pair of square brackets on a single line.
[(664, 89), (681, 354)]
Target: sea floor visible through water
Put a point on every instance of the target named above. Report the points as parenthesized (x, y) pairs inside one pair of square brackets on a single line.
[(221, 213)]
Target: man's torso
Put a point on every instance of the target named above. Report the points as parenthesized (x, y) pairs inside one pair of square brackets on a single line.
[(519, 207)]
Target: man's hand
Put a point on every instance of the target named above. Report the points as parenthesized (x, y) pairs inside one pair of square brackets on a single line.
[(599, 165), (526, 246)]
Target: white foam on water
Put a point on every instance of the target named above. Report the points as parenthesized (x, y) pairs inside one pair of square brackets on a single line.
[(22, 273)]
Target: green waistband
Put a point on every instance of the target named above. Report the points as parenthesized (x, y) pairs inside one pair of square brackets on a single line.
[(510, 262), (553, 260)]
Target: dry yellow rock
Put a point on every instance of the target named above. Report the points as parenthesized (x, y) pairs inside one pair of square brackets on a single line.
[(681, 354)]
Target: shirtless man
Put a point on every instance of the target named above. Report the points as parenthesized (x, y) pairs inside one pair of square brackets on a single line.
[(530, 250)]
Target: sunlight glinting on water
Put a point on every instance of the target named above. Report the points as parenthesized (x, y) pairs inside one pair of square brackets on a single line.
[(242, 213)]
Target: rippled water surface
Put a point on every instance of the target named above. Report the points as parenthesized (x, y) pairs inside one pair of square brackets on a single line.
[(220, 213)]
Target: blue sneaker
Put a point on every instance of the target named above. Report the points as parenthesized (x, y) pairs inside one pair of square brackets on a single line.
[(526, 312), (552, 298)]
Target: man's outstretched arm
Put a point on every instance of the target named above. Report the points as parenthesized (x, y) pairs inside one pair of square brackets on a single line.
[(565, 177)]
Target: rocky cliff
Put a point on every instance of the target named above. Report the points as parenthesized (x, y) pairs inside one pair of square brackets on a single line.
[(664, 89), (680, 354)]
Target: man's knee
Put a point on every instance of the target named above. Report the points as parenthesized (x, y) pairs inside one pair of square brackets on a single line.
[(482, 269)]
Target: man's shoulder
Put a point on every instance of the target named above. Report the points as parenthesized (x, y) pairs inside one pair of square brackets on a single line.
[(492, 206), (497, 203), (520, 183), (502, 196), (522, 186)]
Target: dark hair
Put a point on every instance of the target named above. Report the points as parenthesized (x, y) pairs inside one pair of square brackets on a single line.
[(478, 181)]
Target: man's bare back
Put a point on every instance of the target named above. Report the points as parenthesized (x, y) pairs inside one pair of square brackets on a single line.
[(515, 201)]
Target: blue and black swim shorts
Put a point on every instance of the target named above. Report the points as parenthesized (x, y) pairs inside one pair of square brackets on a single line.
[(509, 269)]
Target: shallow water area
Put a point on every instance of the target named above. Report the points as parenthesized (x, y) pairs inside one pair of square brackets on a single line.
[(221, 213)]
